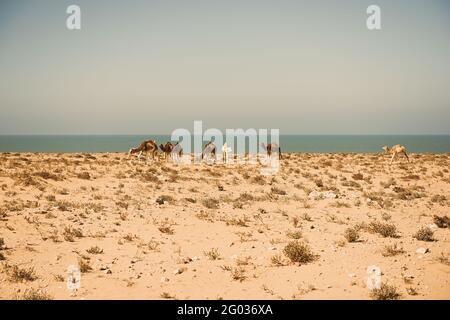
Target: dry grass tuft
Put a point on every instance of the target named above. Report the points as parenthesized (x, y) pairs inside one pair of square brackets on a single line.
[(392, 250), (299, 252), (238, 274), (385, 292), (387, 230), (351, 234), (213, 254), (211, 203), (84, 265), (442, 222), (94, 250), (17, 274), (424, 234), (35, 294)]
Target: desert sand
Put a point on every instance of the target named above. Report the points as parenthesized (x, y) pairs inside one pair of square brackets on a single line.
[(158, 230)]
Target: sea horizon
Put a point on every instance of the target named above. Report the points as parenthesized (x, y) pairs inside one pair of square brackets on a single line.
[(313, 143)]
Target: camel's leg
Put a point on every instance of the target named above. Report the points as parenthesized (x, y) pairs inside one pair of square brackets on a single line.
[(407, 158), (393, 156)]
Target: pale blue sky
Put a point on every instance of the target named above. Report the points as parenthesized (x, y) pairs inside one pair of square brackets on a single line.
[(307, 67)]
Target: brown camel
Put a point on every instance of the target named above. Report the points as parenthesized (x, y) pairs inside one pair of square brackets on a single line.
[(148, 146), (166, 149), (397, 149), (270, 147)]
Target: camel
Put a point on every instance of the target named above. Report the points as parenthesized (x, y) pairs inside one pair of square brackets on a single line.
[(177, 152), (272, 146), (225, 150), (148, 146), (397, 149), (166, 149), (209, 149)]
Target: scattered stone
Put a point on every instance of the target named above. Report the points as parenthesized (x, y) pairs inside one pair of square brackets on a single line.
[(422, 250), (179, 271)]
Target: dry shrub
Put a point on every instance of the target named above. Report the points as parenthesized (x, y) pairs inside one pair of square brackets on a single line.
[(392, 250), (387, 230), (35, 294), (351, 234), (299, 252), (84, 175), (442, 222), (213, 254), (17, 274), (84, 265), (424, 234), (238, 274), (358, 176), (94, 250), (385, 292), (211, 203), (164, 198)]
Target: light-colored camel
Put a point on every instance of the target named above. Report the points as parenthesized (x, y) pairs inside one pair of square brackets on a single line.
[(225, 150), (397, 149), (148, 146), (177, 152)]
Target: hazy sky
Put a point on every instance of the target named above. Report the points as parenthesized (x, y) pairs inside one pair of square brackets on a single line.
[(141, 67)]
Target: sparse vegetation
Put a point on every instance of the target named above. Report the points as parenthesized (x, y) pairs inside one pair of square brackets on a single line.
[(213, 254), (238, 274), (442, 222), (94, 250), (299, 252), (392, 250), (387, 230), (84, 265), (35, 294), (17, 274), (385, 292), (424, 234), (211, 203), (351, 234)]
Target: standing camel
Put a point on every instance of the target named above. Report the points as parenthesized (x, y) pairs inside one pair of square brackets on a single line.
[(270, 147), (177, 152), (166, 149), (208, 150), (397, 149), (225, 150), (148, 146)]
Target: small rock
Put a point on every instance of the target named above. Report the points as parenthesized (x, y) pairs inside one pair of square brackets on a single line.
[(164, 279), (179, 271), (108, 271), (186, 260), (271, 248), (329, 195), (422, 250)]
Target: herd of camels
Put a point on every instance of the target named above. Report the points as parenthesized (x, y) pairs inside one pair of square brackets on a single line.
[(175, 151)]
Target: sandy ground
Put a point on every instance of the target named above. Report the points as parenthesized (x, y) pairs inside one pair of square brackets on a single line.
[(160, 231)]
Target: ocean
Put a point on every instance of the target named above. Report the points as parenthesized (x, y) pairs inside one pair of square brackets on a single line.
[(289, 143)]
